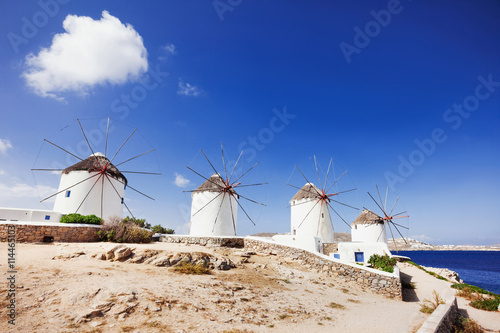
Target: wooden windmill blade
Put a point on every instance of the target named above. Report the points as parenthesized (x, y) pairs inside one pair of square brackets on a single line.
[(225, 189), (97, 165), (318, 198), (389, 217)]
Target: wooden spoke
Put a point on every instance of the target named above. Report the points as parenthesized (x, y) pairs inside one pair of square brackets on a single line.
[(223, 160), (218, 195), (209, 161), (344, 204), (251, 200), (81, 159), (85, 198), (123, 144), (118, 194), (208, 179), (234, 167), (339, 215), (305, 217), (218, 212), (67, 188), (245, 173), (130, 159), (88, 143), (308, 180), (244, 211), (335, 182)]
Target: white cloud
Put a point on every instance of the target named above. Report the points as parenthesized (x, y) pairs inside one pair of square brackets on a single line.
[(90, 52), (2, 173), (5, 145), (166, 51), (170, 49), (181, 181), (20, 190), (187, 89)]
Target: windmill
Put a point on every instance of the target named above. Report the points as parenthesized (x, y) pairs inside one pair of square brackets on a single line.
[(94, 185), (215, 203), (311, 205), (388, 218)]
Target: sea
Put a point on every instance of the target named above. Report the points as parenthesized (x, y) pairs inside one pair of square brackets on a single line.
[(479, 268)]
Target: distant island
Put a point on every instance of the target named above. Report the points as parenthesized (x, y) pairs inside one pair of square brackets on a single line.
[(410, 245)]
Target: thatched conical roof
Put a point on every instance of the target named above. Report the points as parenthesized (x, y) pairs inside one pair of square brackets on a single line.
[(367, 217), (308, 191), (95, 163), (214, 184)]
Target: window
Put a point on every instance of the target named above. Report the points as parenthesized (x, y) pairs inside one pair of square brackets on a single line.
[(68, 193), (47, 217), (322, 215), (359, 256), (122, 201)]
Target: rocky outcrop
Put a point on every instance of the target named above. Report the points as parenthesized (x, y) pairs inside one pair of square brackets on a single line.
[(446, 273)]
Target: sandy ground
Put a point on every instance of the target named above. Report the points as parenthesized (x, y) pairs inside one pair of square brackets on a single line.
[(267, 294)]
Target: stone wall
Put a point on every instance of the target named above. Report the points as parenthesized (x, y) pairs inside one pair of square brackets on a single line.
[(237, 242), (441, 320), (379, 282), (31, 233), (330, 248)]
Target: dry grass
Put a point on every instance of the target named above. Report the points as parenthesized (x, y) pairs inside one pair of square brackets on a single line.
[(429, 306), (352, 300), (188, 268), (334, 305)]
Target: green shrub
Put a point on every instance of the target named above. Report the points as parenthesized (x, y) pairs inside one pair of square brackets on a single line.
[(121, 231), (161, 230), (139, 222), (475, 289), (83, 219), (488, 304), (383, 263)]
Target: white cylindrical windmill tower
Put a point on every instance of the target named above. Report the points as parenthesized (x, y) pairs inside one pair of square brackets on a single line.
[(368, 227), (91, 186), (310, 214), (214, 209)]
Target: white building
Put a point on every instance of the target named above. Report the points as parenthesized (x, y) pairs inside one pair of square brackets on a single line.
[(214, 209), (368, 238), (368, 227), (25, 215), (310, 214), (92, 186)]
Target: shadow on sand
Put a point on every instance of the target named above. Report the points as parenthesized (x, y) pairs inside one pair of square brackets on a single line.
[(409, 294)]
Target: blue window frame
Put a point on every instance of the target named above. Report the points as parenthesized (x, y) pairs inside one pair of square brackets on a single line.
[(68, 193), (359, 256), (47, 217), (122, 201)]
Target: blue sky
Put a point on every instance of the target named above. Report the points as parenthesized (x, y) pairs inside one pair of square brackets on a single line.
[(405, 94)]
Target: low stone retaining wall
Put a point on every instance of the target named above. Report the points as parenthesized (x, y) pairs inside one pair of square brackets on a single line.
[(237, 242), (377, 281), (32, 233), (441, 320)]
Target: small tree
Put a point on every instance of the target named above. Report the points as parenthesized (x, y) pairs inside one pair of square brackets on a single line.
[(383, 263), (161, 230)]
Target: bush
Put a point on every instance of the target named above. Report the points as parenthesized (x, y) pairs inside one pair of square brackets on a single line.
[(466, 325), (83, 219), (139, 222), (383, 263), (488, 304), (120, 231), (161, 230)]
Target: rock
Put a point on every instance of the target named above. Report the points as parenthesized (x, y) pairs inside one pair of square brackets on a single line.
[(122, 252), (162, 261)]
